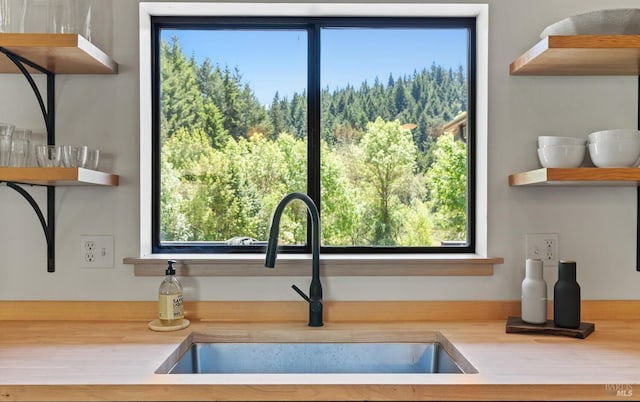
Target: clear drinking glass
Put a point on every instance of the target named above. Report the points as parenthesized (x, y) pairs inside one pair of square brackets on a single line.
[(65, 16), (84, 19), (20, 144), (71, 16), (74, 156), (69, 156), (12, 15), (82, 156), (36, 139), (93, 158), (6, 134), (5, 18), (49, 155), (39, 18)]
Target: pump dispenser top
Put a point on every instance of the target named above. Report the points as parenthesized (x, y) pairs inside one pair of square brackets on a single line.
[(170, 270)]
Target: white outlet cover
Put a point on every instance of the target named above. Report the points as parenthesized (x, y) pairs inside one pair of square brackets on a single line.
[(535, 247), (102, 253)]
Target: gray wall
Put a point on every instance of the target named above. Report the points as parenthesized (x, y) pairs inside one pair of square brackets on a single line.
[(596, 226)]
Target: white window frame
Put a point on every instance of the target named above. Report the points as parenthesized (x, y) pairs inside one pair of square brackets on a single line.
[(479, 11)]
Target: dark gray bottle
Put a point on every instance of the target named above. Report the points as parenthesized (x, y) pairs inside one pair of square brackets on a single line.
[(566, 297)]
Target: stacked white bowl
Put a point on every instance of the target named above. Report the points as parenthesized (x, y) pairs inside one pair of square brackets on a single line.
[(561, 152), (615, 148)]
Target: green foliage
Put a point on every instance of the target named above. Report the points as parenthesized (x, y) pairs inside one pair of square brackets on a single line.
[(268, 170), (418, 228), (226, 160), (340, 204), (174, 224), (195, 191), (389, 154), (211, 195), (446, 181)]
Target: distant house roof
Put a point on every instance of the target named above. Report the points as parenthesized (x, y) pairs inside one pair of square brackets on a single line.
[(457, 126)]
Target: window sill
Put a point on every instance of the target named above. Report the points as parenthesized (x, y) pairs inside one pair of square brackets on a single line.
[(331, 265)]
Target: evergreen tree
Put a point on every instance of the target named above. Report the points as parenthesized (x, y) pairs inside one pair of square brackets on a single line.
[(299, 115), (210, 82), (180, 99), (277, 115), (232, 105), (213, 123), (254, 117)]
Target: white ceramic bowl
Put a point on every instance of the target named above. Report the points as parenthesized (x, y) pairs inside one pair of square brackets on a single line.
[(561, 156), (615, 153), (623, 21), (614, 135), (551, 140)]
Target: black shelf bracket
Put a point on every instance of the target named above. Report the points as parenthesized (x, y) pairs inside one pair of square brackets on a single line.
[(48, 229), (48, 113)]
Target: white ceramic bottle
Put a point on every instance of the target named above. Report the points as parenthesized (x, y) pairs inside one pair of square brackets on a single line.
[(534, 294)]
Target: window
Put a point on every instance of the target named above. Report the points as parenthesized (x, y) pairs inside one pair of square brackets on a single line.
[(374, 117)]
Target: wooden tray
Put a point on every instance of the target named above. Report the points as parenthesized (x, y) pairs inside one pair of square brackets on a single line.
[(515, 325)]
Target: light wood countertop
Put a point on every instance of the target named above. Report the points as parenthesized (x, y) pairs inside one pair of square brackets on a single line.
[(102, 360)]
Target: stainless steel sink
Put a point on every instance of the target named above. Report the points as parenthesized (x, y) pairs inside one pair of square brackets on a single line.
[(194, 357)]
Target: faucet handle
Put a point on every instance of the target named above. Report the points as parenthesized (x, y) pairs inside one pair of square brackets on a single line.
[(301, 293), (315, 308)]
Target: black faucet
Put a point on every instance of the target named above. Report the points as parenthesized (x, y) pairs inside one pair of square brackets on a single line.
[(315, 290)]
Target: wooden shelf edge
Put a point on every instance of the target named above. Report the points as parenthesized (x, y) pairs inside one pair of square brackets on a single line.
[(97, 54), (518, 64), (584, 176), (566, 55), (58, 176), (59, 53), (97, 177)]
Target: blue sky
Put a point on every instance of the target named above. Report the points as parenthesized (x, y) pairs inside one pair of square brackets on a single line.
[(273, 61)]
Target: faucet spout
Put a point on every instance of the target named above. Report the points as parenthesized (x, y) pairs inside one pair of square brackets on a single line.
[(315, 290)]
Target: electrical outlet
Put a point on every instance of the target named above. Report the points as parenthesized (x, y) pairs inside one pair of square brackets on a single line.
[(96, 251), (542, 246)]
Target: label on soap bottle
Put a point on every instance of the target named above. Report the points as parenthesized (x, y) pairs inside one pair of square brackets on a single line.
[(171, 307)]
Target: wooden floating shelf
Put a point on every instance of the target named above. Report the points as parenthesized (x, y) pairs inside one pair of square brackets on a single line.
[(58, 176), (58, 53), (586, 176), (581, 55)]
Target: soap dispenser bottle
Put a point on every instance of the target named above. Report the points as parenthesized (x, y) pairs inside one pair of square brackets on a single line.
[(170, 302)]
